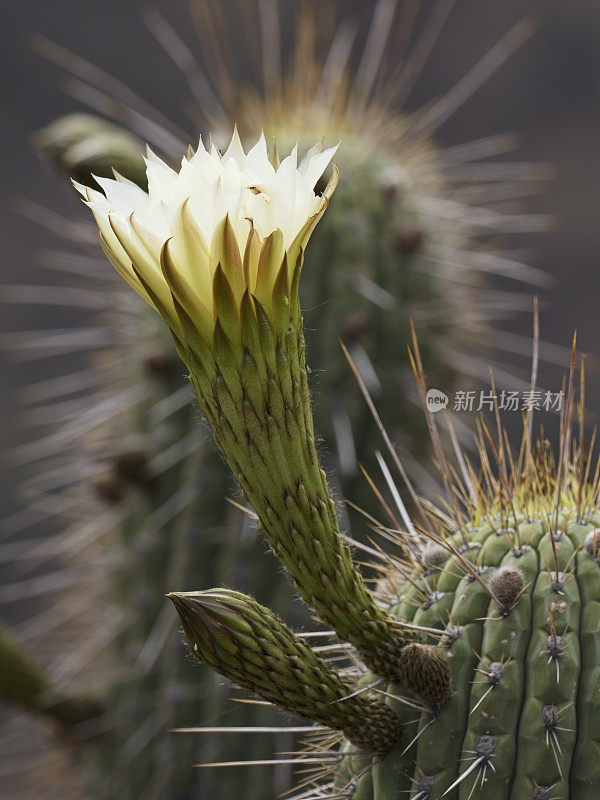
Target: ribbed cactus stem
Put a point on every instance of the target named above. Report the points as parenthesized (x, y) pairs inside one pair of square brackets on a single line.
[(24, 684), (523, 718), (249, 645)]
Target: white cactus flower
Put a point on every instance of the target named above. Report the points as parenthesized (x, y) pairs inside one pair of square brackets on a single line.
[(234, 209)]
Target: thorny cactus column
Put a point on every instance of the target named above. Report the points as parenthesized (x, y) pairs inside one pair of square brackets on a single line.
[(522, 644), (220, 259)]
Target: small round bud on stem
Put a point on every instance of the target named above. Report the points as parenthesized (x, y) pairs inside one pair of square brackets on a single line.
[(506, 585), (426, 672)]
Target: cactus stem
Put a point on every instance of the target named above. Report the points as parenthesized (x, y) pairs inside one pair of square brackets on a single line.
[(24, 683)]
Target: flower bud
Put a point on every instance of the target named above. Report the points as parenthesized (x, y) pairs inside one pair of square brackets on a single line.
[(250, 646)]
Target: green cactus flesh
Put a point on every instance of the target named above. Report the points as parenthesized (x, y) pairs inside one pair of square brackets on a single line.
[(524, 717)]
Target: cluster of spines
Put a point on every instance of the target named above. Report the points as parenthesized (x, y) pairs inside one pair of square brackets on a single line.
[(517, 640)]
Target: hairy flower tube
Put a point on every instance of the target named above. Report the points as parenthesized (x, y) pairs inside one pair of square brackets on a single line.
[(217, 249), (249, 645)]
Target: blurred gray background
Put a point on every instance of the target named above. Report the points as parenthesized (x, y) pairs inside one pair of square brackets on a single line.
[(548, 93)]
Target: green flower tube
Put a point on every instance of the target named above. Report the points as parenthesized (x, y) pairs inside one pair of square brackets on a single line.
[(249, 645), (217, 250)]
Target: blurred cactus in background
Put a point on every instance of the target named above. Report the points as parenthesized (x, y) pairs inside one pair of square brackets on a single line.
[(132, 486), (83, 145)]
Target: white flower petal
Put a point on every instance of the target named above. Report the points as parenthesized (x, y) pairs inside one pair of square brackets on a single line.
[(257, 164), (186, 207), (123, 197), (235, 150), (315, 166)]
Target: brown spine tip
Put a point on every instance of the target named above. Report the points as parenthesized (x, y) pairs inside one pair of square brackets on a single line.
[(162, 364), (107, 487), (411, 241), (131, 465)]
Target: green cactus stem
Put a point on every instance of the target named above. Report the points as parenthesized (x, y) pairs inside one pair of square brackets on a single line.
[(24, 684)]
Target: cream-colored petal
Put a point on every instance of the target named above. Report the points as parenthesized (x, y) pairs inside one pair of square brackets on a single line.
[(235, 150), (125, 271), (189, 250), (269, 263), (185, 291), (146, 263), (312, 168), (237, 210), (122, 197), (104, 226), (258, 166)]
